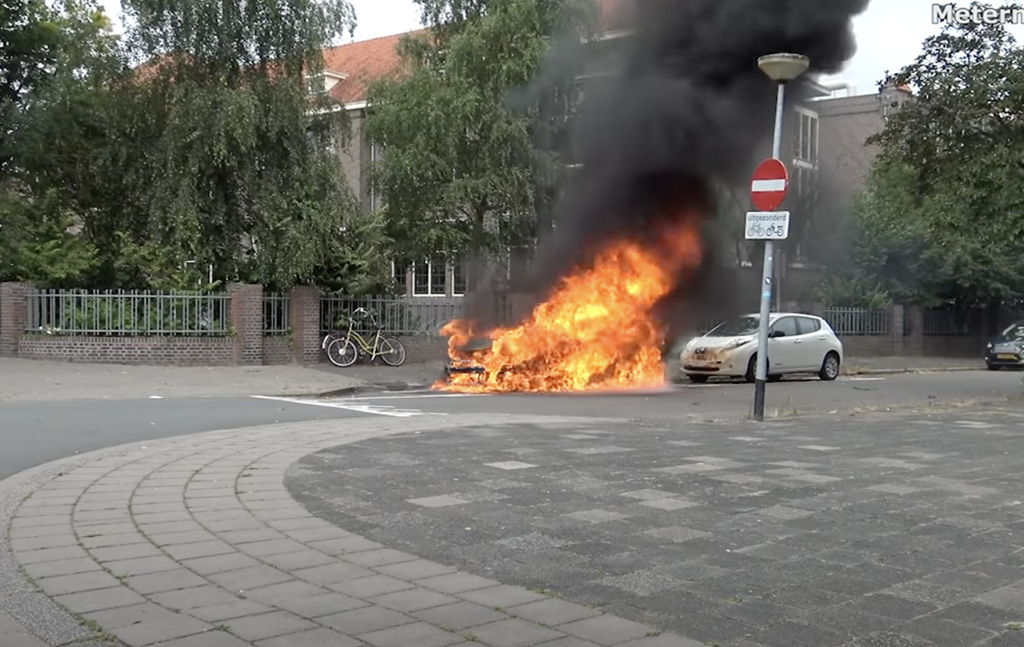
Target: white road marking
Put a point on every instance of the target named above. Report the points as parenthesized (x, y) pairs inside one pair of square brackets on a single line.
[(351, 405), (863, 379), (421, 394)]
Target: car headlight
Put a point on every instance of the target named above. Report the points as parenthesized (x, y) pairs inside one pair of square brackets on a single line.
[(739, 342), (988, 345)]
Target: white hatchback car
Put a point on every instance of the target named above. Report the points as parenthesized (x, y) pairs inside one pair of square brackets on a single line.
[(797, 343)]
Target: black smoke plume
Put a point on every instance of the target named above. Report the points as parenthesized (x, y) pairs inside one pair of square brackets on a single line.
[(685, 110)]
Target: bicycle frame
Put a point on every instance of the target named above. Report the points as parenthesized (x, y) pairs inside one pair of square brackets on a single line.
[(361, 343)]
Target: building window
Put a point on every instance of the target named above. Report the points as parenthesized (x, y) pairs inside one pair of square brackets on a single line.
[(316, 84), (400, 274), (429, 278), (807, 137), (458, 278)]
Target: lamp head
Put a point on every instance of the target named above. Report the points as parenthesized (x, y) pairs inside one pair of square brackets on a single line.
[(783, 67)]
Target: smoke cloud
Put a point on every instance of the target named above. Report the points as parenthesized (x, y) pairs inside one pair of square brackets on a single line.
[(685, 110)]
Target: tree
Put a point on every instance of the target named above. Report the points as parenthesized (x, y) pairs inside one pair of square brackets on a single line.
[(944, 208), (29, 40), (467, 164), (228, 159)]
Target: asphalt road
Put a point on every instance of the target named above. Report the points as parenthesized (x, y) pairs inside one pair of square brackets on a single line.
[(32, 433)]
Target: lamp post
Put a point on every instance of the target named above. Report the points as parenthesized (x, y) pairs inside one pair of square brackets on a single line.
[(781, 68)]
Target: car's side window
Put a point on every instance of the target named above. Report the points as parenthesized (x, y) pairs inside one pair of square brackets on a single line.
[(808, 325), (786, 326)]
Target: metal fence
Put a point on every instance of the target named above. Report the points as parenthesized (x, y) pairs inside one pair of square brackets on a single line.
[(276, 314), (123, 313), (857, 322), (398, 315)]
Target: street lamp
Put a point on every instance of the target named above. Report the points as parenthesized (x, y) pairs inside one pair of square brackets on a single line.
[(781, 68)]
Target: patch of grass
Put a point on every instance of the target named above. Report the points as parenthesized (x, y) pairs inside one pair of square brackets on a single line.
[(469, 637), (1014, 626), (653, 632), (734, 599)]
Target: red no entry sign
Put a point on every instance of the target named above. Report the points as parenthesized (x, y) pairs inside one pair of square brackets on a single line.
[(769, 185)]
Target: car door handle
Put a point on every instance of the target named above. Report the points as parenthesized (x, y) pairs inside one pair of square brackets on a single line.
[(798, 341)]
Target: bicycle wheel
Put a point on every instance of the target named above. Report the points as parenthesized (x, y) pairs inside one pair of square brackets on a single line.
[(392, 351), (342, 353)]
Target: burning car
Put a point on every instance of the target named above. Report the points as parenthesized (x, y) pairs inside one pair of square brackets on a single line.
[(797, 343)]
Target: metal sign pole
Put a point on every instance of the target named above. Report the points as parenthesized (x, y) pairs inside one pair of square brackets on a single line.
[(766, 279)]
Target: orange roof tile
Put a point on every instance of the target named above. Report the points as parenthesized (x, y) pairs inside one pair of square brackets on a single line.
[(364, 62)]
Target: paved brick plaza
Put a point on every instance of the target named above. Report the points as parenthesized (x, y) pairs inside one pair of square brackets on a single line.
[(511, 531)]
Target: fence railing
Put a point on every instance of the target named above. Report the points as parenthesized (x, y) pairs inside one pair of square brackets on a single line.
[(126, 313), (276, 314), (857, 322), (398, 315)]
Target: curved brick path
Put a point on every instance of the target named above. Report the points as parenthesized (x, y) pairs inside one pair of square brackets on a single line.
[(195, 542)]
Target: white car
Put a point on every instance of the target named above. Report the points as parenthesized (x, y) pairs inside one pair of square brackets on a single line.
[(797, 343)]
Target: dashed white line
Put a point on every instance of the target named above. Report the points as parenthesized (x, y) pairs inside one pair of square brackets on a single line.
[(353, 405)]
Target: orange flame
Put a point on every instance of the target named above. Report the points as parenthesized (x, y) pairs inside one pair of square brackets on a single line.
[(597, 331)]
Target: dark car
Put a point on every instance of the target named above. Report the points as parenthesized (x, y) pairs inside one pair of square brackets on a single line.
[(1006, 350)]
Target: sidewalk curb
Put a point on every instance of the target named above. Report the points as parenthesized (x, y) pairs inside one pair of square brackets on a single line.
[(901, 371)]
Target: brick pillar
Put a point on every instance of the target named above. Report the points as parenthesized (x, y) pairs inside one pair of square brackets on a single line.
[(304, 315), (913, 341), (897, 315), (13, 316), (247, 320)]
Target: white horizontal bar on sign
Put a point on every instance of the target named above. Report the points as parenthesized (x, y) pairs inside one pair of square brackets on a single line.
[(764, 186)]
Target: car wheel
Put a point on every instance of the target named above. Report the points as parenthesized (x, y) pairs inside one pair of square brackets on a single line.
[(698, 379), (751, 374), (829, 367)]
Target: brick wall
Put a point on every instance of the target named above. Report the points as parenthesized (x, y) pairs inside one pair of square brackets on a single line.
[(304, 312), (147, 351), (13, 316), (277, 350), (247, 321)]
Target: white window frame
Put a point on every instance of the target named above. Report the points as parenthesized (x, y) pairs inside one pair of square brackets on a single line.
[(804, 118), (405, 279), (452, 265), (430, 279)]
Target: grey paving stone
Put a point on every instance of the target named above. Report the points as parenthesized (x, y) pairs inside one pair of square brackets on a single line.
[(501, 596), (142, 566), (249, 535), (176, 538), (667, 640), (514, 633), (210, 639), (249, 578), (271, 547), (46, 541), (62, 567), (370, 587), (316, 533), (191, 598), (302, 559), (117, 596), (216, 613), (116, 554), (292, 589), (159, 630), (552, 612), (22, 640), (50, 554), (412, 600), (415, 569), (268, 625), (321, 605), (420, 634), (333, 573), (219, 563), (166, 581), (362, 621), (381, 557), (313, 638), (112, 540), (199, 549), (453, 583), (946, 633), (338, 547), (459, 615), (606, 629), (64, 584)]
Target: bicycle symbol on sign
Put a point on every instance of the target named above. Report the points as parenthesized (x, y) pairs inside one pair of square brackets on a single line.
[(756, 230)]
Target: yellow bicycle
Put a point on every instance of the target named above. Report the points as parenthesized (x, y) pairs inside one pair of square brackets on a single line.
[(344, 351)]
